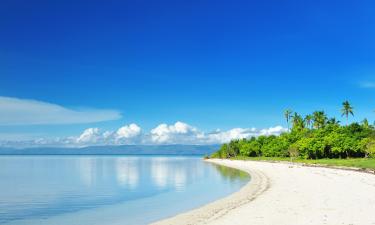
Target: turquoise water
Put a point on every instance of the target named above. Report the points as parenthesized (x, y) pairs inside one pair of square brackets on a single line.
[(81, 190)]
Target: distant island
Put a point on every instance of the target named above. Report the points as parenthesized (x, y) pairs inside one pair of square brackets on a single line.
[(116, 150)]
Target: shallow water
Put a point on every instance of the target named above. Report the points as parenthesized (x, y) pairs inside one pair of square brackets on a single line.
[(81, 190)]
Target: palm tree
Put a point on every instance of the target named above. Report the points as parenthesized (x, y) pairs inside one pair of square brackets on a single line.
[(320, 119), (365, 123), (308, 120), (333, 121), (298, 122), (346, 110), (288, 116)]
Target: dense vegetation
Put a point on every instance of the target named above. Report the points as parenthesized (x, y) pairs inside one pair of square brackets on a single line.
[(314, 136)]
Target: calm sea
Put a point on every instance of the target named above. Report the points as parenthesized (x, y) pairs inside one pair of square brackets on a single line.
[(108, 190)]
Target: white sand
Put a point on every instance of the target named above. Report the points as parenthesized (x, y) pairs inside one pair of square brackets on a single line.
[(280, 193)]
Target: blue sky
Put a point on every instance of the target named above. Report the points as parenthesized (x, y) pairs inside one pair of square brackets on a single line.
[(210, 64)]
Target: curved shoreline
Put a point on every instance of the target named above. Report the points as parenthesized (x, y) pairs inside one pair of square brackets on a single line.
[(289, 194), (258, 184)]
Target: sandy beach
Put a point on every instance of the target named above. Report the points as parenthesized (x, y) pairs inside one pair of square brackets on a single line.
[(281, 193)]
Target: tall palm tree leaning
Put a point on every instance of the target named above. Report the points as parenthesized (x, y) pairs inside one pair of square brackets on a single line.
[(288, 116), (347, 110)]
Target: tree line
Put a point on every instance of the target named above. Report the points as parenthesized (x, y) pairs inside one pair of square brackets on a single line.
[(313, 136)]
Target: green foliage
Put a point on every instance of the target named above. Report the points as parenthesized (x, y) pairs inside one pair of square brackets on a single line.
[(319, 119), (298, 122), (250, 148), (369, 145), (293, 151), (308, 120), (312, 137)]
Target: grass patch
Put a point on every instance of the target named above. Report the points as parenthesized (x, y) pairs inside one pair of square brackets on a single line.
[(364, 163)]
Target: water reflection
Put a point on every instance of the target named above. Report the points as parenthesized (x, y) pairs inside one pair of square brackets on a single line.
[(86, 169), (45, 187), (180, 178), (127, 172), (231, 174), (159, 172), (165, 173)]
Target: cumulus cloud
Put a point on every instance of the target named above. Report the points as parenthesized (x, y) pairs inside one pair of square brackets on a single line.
[(177, 133), (273, 131), (15, 111), (226, 136), (240, 133), (90, 135), (130, 131), (128, 134)]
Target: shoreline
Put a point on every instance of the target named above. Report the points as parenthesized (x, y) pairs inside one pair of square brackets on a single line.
[(355, 169), (257, 184), (288, 193)]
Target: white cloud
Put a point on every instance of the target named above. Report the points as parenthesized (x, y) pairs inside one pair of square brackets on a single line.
[(240, 133), (178, 133), (128, 134), (235, 133), (273, 131), (90, 135), (182, 133), (130, 131), (15, 111)]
